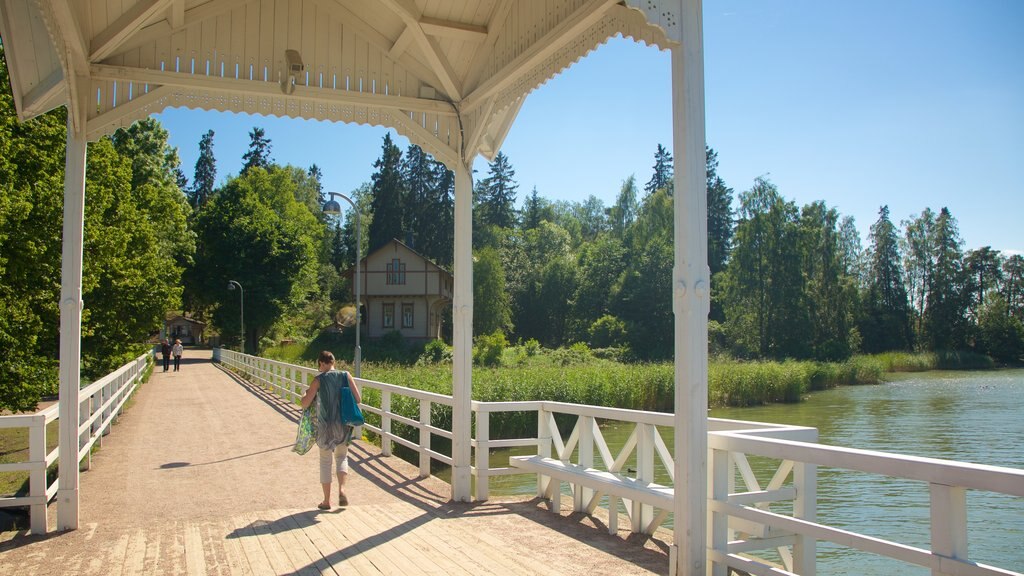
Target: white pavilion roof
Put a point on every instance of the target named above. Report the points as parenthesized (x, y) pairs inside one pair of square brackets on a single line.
[(433, 70)]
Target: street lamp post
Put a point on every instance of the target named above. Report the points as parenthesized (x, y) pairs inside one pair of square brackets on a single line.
[(241, 310), (332, 208)]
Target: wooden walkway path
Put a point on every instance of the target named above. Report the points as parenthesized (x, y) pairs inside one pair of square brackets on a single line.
[(198, 478)]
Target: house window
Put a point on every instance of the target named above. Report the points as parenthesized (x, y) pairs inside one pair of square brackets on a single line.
[(396, 272), (407, 316), (389, 315)]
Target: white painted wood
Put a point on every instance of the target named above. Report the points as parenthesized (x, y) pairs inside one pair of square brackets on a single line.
[(690, 292), (424, 438), (718, 530), (462, 341), (805, 507), (71, 320), (483, 455), (37, 477), (949, 523)]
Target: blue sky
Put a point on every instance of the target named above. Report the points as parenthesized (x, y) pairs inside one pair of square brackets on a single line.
[(912, 104)]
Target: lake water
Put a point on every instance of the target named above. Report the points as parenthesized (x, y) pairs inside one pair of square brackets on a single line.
[(967, 416)]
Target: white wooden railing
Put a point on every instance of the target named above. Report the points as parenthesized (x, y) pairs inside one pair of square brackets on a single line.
[(742, 522), (100, 403), (290, 381)]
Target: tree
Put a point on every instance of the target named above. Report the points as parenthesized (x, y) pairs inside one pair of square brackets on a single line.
[(719, 215), (258, 155), (128, 283), (1000, 334), (532, 211), (944, 319), (885, 320), (317, 176), (830, 292), (31, 194), (663, 172), (429, 205), (917, 262), (206, 173), (851, 254), (622, 215), (763, 289), (591, 216), (600, 265), (255, 232), (388, 194), (491, 310), (643, 293), (498, 194), (984, 273), (1013, 285), (544, 283)]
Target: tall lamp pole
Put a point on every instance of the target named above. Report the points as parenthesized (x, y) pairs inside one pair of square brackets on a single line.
[(331, 207), (241, 310)]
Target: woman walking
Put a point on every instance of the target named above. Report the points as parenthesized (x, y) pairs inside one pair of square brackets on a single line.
[(332, 436), (177, 350)]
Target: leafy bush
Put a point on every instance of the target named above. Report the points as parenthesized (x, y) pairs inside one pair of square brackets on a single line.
[(532, 347), (435, 352), (607, 331), (489, 349)]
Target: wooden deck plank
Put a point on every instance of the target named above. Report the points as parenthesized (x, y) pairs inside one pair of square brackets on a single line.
[(291, 525), (195, 552), (376, 542), (237, 563), (135, 555), (440, 542), (336, 541), (254, 553), (301, 562)]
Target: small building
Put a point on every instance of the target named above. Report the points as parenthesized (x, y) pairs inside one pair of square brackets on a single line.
[(188, 330), (402, 290)]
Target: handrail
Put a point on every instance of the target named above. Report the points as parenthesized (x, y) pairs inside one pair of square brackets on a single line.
[(741, 518), (100, 403)]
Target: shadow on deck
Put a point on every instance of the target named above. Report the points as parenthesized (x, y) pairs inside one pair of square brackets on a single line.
[(199, 478)]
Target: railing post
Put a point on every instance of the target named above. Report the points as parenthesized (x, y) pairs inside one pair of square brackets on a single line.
[(37, 477), (424, 438), (581, 495), (385, 422), (543, 448), (483, 455), (805, 507), (87, 407), (720, 487), (643, 514), (949, 523)]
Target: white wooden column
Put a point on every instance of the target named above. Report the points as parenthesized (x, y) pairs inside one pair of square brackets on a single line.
[(690, 295), (462, 319), (71, 319)]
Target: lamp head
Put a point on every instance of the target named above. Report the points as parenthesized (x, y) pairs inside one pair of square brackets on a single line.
[(332, 207), (231, 285)]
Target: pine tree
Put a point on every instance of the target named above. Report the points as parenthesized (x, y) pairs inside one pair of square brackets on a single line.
[(205, 174), (498, 193), (944, 320), (663, 171), (258, 155), (984, 273), (719, 215), (388, 193), (317, 176), (885, 323)]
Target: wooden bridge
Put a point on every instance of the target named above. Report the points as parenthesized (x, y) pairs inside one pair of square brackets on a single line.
[(198, 477)]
